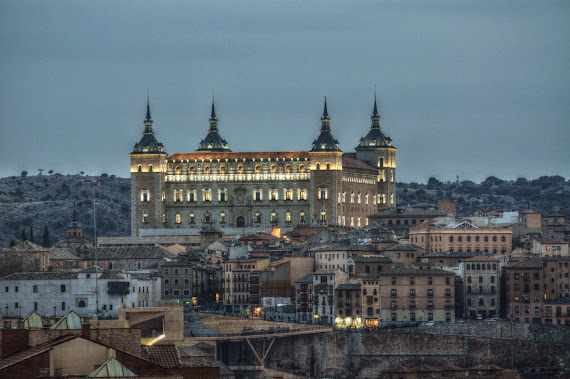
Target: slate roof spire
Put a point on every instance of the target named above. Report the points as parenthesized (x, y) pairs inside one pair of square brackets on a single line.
[(326, 141), (213, 141), (375, 138), (148, 143)]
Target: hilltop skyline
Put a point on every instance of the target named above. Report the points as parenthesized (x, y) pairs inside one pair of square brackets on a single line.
[(464, 89)]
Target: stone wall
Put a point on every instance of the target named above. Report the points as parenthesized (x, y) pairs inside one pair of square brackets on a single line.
[(365, 354)]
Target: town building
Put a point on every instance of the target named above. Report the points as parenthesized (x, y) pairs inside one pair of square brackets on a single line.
[(324, 283), (87, 292), (367, 265), (405, 254), (481, 290), (348, 305), (411, 295), (215, 186), (371, 300), (25, 256), (335, 256), (549, 247), (401, 219), (461, 236), (304, 299), (236, 281)]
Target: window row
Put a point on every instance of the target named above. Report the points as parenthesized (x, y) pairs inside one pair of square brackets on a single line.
[(477, 239), (273, 169)]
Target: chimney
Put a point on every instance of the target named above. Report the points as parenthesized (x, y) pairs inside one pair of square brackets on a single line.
[(86, 330)]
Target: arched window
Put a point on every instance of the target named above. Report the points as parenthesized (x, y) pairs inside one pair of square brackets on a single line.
[(191, 170), (476, 238), (302, 169), (328, 166), (258, 169), (459, 238), (178, 170), (450, 238), (273, 169), (207, 170), (478, 266), (486, 239), (149, 168), (140, 168), (494, 266), (468, 238), (288, 169), (494, 238), (222, 170), (240, 170), (503, 239), (81, 304), (318, 166), (468, 266)]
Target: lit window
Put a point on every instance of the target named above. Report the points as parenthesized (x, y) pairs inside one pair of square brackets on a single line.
[(222, 218), (301, 217), (288, 193), (288, 169), (145, 218), (178, 170), (240, 170), (191, 170), (273, 169), (302, 169), (222, 194), (191, 218), (178, 218), (273, 194), (302, 194), (207, 194), (257, 218), (273, 216), (222, 170), (257, 195), (323, 194), (258, 169), (207, 170), (145, 195)]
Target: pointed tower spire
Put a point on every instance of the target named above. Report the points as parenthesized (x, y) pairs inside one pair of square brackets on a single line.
[(213, 140), (326, 141), (375, 116), (213, 119), (213, 115), (325, 119), (148, 109)]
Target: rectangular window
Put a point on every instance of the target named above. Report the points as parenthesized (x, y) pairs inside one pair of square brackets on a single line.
[(63, 306), (63, 288), (35, 288), (35, 306)]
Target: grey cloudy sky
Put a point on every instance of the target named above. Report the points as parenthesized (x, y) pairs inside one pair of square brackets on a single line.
[(468, 88)]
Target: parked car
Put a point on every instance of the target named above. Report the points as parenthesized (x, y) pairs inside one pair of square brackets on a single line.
[(428, 323), (479, 316)]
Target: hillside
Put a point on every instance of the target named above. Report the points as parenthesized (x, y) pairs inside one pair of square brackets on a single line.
[(37, 201), (547, 194), (48, 200)]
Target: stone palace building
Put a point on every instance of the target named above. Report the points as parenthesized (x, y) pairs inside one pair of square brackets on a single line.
[(215, 186)]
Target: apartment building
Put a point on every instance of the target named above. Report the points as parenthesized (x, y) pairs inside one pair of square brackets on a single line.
[(481, 286)]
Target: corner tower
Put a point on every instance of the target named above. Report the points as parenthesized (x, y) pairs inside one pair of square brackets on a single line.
[(148, 166), (326, 174), (377, 150), (213, 141)]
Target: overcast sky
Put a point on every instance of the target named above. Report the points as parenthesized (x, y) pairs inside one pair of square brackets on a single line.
[(468, 88)]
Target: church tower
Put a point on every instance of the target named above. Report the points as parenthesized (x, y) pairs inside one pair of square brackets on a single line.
[(377, 150), (213, 141), (326, 174), (148, 167)]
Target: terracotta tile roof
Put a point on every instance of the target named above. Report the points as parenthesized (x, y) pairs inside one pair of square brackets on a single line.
[(550, 241), (63, 253), (33, 351), (43, 275), (132, 252), (305, 279), (342, 247), (527, 263), (375, 259), (357, 164), (481, 258), (402, 247), (26, 246), (450, 254), (164, 355), (413, 271)]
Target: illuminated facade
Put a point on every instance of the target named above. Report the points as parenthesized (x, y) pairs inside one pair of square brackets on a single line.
[(215, 186)]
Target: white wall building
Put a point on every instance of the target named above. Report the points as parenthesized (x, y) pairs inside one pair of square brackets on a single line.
[(324, 283), (56, 293)]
